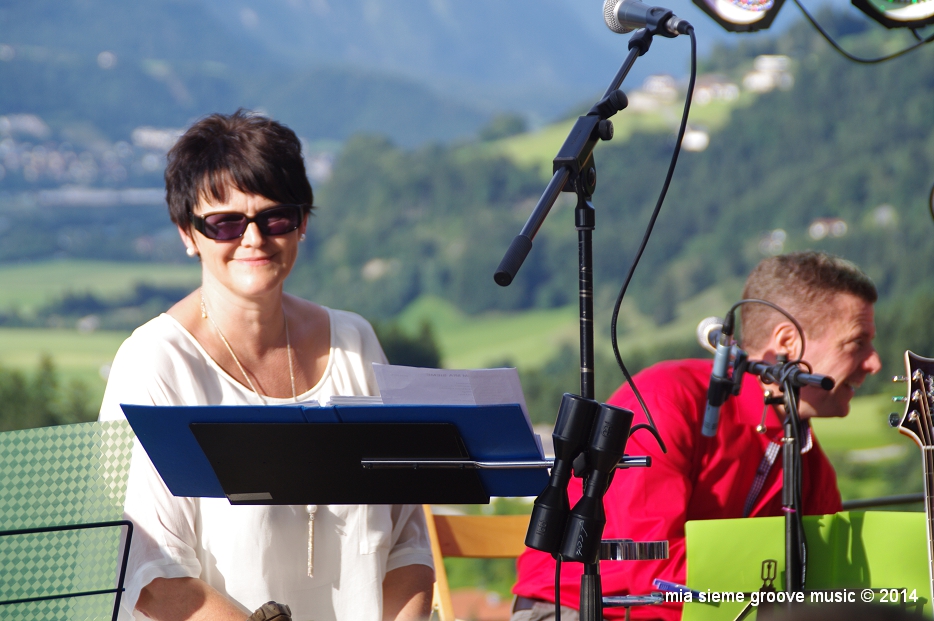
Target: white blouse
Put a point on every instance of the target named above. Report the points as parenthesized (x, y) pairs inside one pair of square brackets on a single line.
[(253, 554)]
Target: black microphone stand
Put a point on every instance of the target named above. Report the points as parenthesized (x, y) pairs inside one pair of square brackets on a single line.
[(791, 378), (575, 171), (791, 491), (574, 159)]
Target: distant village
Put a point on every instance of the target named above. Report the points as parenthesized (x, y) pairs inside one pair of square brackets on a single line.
[(91, 171), (37, 171)]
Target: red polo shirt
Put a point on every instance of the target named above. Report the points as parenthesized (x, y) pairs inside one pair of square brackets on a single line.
[(699, 478)]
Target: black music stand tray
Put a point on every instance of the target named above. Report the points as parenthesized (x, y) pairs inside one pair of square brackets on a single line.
[(379, 454), (292, 464)]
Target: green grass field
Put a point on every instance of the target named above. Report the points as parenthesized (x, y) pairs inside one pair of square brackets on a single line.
[(526, 339), (865, 427), (30, 285), (77, 356), (530, 338), (539, 147)]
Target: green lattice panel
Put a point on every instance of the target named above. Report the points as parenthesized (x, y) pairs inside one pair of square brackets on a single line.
[(74, 609), (72, 474), (54, 476), (42, 564)]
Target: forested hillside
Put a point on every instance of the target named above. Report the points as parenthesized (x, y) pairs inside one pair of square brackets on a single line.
[(847, 145), (847, 142)]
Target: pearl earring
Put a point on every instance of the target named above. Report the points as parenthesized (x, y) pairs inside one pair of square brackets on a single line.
[(191, 251), (301, 237)]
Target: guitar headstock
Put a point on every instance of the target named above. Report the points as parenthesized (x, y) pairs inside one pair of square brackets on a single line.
[(916, 423)]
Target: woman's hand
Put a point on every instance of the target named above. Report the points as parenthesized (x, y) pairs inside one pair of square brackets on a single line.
[(407, 593), (186, 599)]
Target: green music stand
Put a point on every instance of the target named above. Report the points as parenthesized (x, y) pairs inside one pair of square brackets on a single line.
[(852, 550)]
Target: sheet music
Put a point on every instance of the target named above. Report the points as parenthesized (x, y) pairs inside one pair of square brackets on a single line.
[(401, 385), (354, 400)]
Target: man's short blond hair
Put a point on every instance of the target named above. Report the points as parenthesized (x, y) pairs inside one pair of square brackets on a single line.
[(803, 283)]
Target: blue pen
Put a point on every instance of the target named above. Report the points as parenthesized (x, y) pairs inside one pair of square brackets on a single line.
[(673, 587)]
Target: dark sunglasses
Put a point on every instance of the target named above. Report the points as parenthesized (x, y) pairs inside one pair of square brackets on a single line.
[(226, 226)]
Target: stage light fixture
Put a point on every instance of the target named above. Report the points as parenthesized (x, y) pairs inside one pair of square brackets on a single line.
[(898, 13), (744, 15)]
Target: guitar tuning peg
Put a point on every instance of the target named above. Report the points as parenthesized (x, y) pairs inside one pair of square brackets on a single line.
[(899, 379), (894, 419), (899, 399)]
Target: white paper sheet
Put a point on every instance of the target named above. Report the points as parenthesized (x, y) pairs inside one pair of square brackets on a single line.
[(354, 400), (400, 385)]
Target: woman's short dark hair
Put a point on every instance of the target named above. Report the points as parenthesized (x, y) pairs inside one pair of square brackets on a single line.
[(243, 150)]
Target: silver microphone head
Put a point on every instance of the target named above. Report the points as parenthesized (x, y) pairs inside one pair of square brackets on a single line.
[(704, 328), (609, 16)]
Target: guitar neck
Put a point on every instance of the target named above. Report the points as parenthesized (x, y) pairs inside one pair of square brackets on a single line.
[(927, 454), (918, 424)]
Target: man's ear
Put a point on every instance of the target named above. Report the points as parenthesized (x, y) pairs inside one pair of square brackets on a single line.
[(785, 340)]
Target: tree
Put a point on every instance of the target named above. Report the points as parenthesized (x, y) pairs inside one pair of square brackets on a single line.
[(40, 400)]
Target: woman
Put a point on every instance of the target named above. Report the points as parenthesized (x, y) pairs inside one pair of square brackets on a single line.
[(237, 190)]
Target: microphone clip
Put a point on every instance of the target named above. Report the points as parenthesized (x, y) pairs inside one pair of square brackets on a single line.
[(721, 388), (740, 364)]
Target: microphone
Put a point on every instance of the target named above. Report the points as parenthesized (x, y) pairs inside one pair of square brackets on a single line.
[(721, 385), (551, 509), (622, 16), (708, 333), (585, 524)]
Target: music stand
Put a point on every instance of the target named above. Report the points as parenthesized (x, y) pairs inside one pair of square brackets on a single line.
[(291, 464), (296, 455)]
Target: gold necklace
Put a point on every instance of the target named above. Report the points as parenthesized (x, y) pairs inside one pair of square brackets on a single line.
[(288, 349)]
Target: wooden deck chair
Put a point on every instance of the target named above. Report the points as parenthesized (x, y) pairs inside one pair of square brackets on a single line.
[(470, 536)]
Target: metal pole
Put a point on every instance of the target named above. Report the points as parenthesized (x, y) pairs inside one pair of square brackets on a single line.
[(591, 600)]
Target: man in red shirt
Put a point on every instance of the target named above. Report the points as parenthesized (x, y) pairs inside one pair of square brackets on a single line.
[(707, 478)]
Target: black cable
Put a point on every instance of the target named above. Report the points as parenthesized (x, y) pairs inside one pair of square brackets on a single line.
[(645, 241), (648, 428), (781, 310), (558, 588), (857, 59)]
